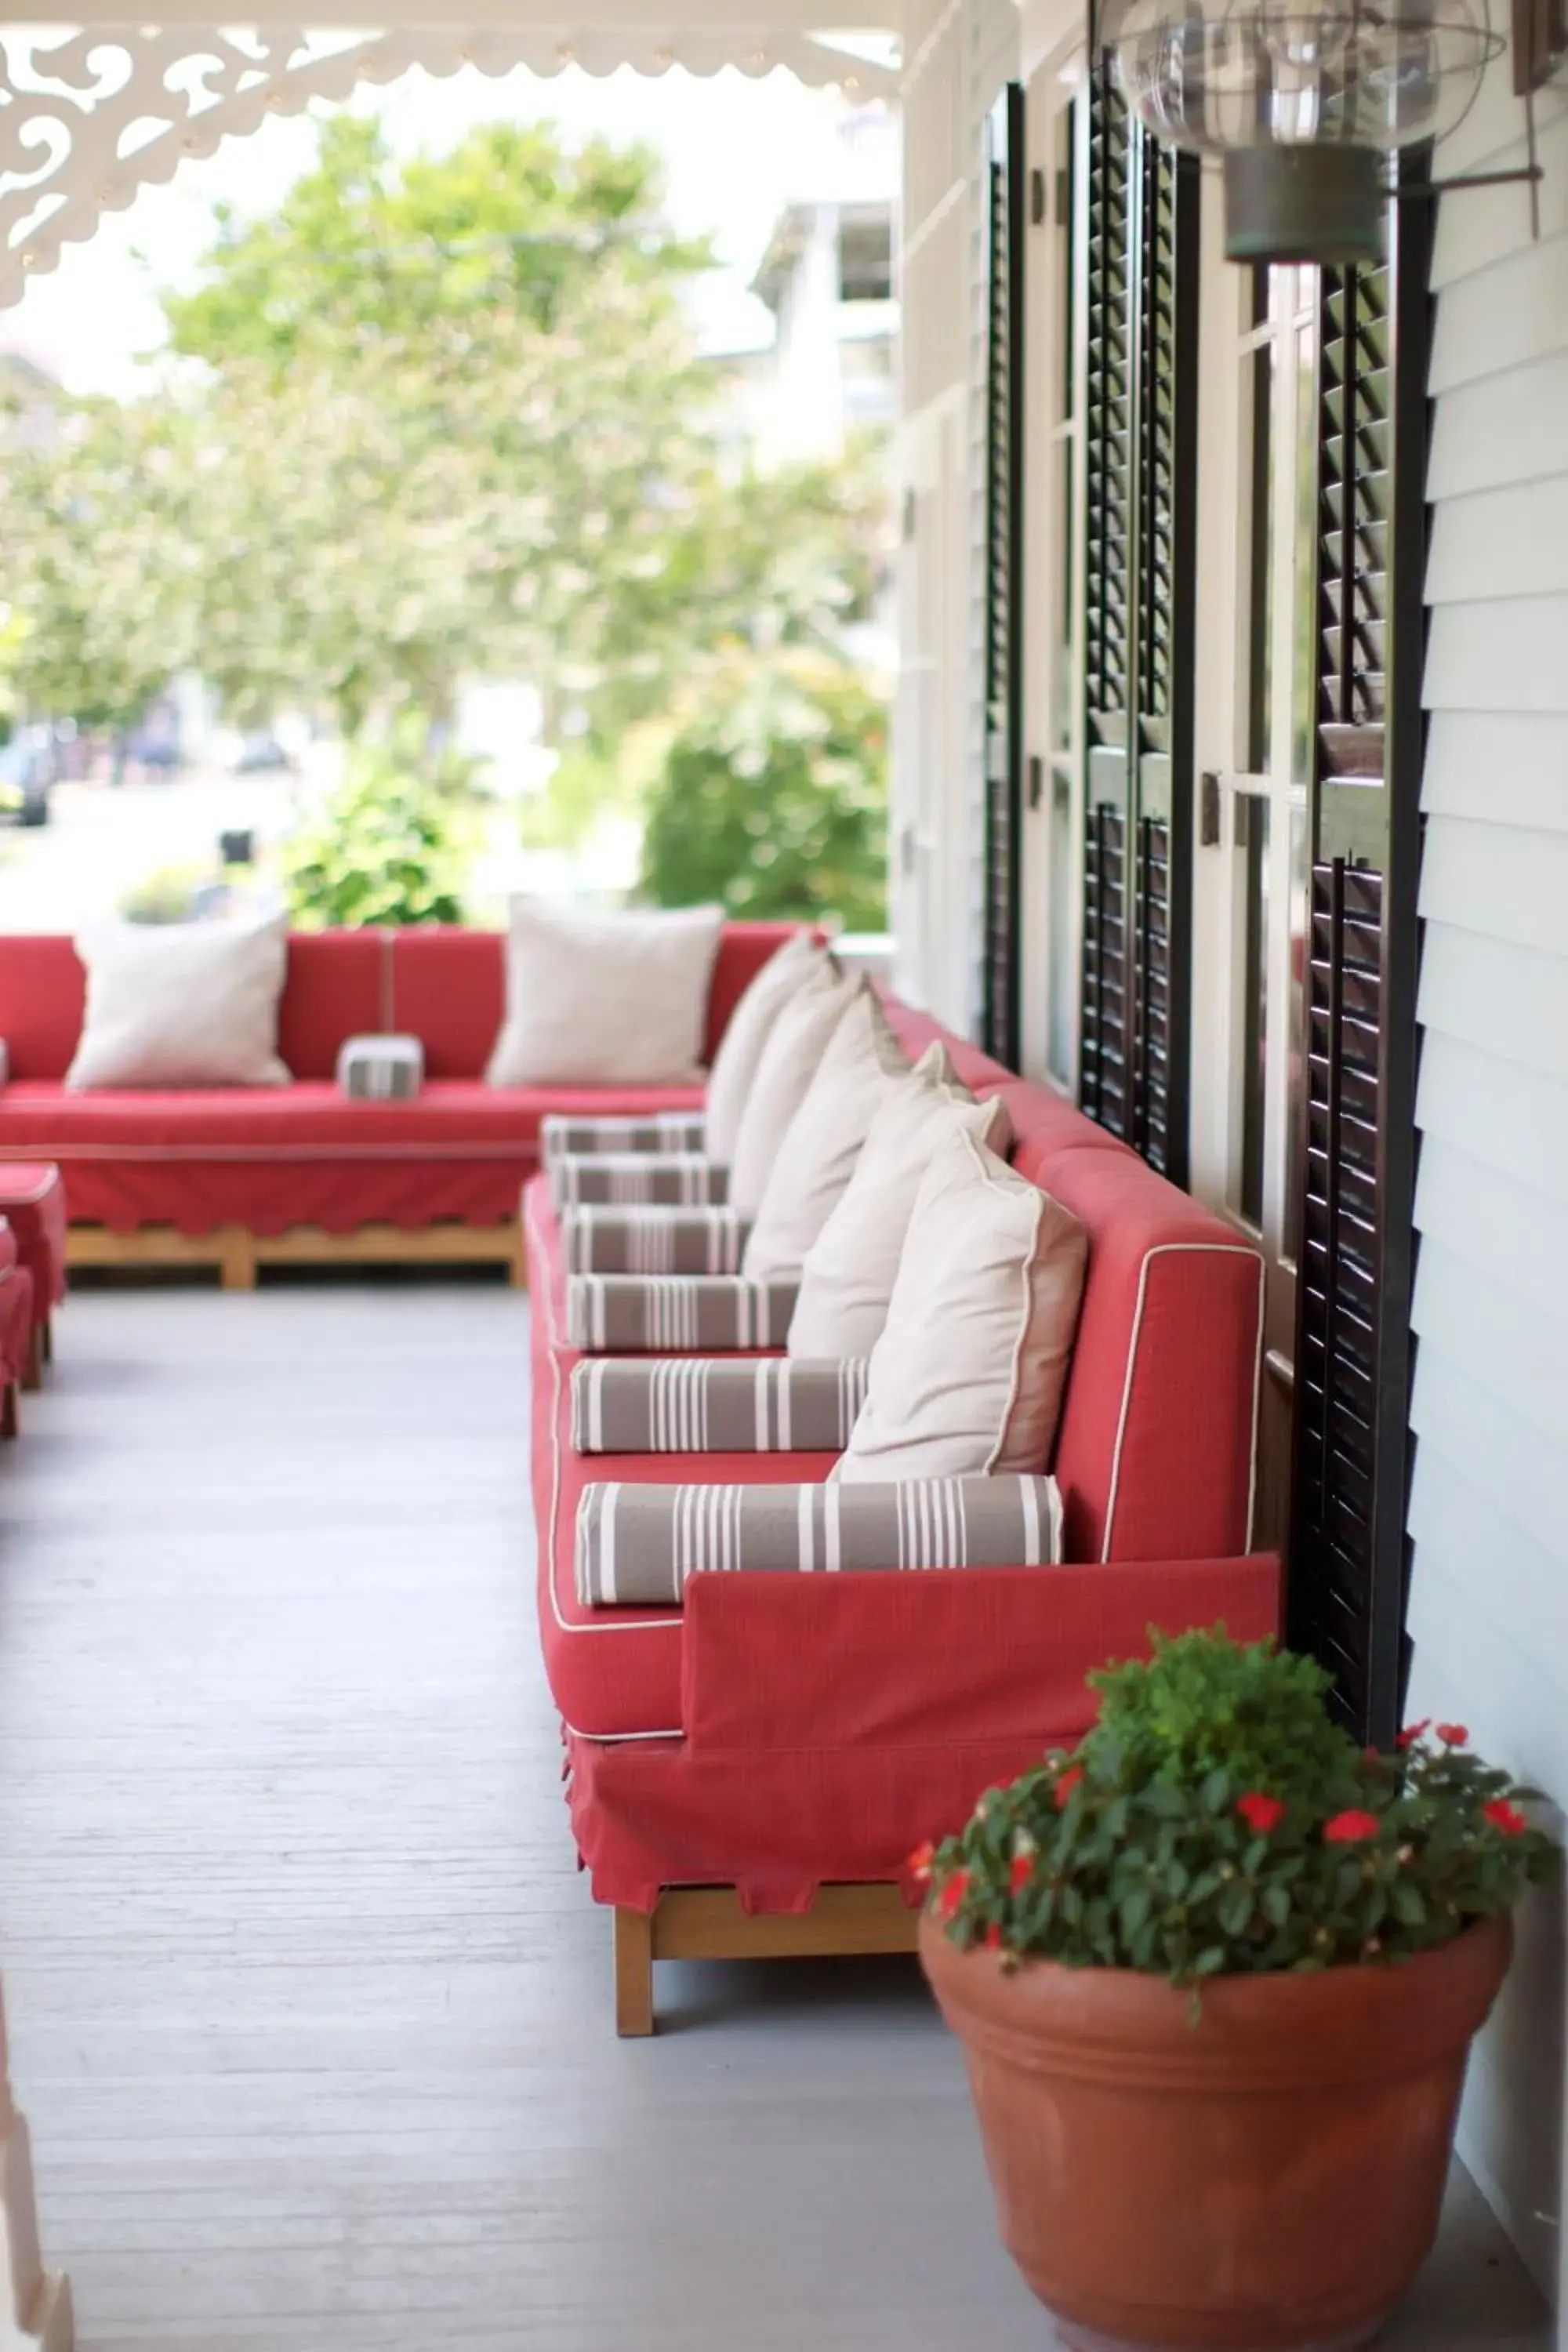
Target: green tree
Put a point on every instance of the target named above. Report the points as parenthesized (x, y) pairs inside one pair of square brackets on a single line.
[(366, 250), (390, 844), (450, 419), (771, 793), (98, 519), (436, 417)]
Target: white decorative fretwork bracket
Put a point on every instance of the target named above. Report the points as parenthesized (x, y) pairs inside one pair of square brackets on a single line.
[(90, 115)]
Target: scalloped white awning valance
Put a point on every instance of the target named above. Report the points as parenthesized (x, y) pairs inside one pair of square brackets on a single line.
[(90, 113)]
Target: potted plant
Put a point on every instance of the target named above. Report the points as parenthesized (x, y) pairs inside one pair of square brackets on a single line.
[(1216, 1974)]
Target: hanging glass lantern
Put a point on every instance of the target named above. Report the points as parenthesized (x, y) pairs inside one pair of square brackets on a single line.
[(1303, 103)]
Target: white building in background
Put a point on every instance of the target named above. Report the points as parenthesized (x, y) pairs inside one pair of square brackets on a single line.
[(827, 365)]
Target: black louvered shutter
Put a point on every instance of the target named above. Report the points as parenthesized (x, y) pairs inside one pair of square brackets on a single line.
[(1141, 220), (1005, 184), (1348, 1549)]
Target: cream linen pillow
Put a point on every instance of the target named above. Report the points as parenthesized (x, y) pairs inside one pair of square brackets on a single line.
[(745, 1035), (182, 1004), (785, 1067), (967, 1377), (850, 1269), (605, 998), (862, 1061)]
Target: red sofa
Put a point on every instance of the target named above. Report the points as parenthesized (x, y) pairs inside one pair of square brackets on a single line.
[(242, 1174), (15, 1327), (782, 1742)]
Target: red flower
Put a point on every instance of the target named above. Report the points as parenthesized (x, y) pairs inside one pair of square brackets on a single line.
[(991, 1939), (1260, 1813), (1412, 1732), (1066, 1784), (919, 1861), (1505, 1817), (951, 1893), (1023, 1871), (1349, 1829), (1452, 1735)]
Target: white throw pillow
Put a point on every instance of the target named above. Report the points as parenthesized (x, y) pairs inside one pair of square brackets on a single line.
[(605, 999), (745, 1035), (182, 1004), (863, 1060), (847, 1282), (795, 1045), (967, 1377)]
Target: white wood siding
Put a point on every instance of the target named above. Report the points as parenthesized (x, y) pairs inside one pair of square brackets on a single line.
[(959, 54), (1489, 1514)]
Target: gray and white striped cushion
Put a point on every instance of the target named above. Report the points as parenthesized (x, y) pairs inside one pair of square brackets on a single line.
[(638, 1545), (654, 1241), (562, 1136), (692, 1404), (675, 1314), (672, 1180), (381, 1069)]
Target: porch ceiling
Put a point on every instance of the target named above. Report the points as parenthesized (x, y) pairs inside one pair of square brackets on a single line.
[(93, 110)]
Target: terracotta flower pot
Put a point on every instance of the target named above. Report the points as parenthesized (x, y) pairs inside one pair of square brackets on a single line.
[(1268, 2180)]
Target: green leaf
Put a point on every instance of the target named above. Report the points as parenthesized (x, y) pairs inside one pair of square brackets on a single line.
[(1407, 1904), (1135, 1910), (1236, 1908)]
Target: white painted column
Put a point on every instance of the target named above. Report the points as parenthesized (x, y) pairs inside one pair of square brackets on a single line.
[(35, 2304)]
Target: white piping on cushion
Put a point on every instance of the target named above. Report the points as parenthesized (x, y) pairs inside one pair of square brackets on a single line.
[(643, 1625), (1257, 1400), (1185, 1249), (40, 1192)]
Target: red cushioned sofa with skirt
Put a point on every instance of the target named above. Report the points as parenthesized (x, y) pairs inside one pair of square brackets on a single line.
[(238, 1174), (748, 1771)]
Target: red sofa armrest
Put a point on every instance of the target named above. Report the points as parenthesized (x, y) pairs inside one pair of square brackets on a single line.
[(939, 1658)]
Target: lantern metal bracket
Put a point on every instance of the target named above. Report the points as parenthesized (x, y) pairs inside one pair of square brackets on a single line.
[(1429, 191), (1530, 175)]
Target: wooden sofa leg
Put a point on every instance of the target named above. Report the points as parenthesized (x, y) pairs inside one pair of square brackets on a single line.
[(238, 1259), (10, 1418), (634, 1974), (47, 1348), (33, 1378)]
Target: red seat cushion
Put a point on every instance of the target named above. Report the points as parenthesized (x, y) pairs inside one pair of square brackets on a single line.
[(271, 1158), (33, 1203), (461, 1118)]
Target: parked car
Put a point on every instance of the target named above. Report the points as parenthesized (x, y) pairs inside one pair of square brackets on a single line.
[(260, 753), (30, 767)]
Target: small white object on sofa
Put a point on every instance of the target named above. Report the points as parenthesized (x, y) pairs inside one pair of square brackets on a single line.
[(381, 1069), (182, 1004), (605, 999)]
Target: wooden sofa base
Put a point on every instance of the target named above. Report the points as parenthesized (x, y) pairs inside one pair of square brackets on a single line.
[(237, 1253), (707, 1923), (35, 2303)]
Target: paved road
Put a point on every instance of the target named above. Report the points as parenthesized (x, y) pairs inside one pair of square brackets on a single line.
[(102, 839)]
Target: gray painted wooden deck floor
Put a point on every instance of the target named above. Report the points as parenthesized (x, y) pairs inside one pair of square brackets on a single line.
[(311, 2008)]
